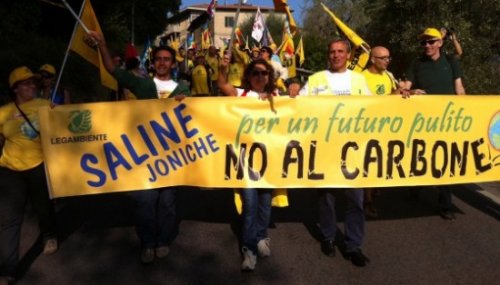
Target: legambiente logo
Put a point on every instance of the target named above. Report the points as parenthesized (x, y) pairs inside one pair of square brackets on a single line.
[(494, 131), (80, 121)]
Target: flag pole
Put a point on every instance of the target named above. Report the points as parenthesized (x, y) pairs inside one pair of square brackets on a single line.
[(234, 27), (231, 40), (63, 64), (77, 17)]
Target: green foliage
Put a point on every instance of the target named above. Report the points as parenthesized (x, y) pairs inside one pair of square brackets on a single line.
[(397, 23), (33, 32), (319, 28), (273, 22)]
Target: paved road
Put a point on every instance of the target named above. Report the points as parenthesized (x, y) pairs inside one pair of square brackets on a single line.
[(407, 244)]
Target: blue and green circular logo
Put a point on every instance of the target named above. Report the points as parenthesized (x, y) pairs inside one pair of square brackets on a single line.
[(494, 131)]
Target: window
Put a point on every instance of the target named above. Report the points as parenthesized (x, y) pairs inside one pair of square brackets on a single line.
[(229, 22)]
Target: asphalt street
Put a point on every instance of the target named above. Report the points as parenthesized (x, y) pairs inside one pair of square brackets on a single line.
[(407, 244)]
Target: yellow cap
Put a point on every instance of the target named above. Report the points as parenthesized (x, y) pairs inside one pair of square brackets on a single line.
[(431, 33), (48, 68), (19, 74)]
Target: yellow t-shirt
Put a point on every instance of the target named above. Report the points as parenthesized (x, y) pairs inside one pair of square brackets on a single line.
[(213, 62), (199, 84), (379, 84), (22, 149), (235, 74)]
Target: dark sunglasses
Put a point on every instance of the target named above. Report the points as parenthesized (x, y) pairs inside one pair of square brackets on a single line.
[(430, 42), (259, 72)]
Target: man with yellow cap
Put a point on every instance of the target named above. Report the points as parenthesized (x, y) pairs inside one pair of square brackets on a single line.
[(435, 73), (47, 73)]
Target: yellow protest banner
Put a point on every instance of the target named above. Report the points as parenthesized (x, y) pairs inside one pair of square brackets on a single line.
[(320, 141)]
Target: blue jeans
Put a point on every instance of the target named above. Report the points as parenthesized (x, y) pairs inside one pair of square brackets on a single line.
[(354, 224), (255, 217), (16, 187), (155, 216)]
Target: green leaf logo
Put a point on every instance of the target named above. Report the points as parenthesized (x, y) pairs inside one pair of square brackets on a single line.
[(81, 121)]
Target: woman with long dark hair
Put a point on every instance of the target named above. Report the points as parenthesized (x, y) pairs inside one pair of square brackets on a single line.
[(258, 81)]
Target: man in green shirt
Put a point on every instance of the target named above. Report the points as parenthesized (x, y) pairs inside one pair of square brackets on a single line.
[(437, 74)]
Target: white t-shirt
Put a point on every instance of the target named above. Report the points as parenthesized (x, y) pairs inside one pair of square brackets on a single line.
[(250, 93), (337, 84), (164, 87)]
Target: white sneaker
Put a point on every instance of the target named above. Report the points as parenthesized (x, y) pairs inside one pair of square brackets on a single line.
[(249, 260), (264, 247), (50, 246)]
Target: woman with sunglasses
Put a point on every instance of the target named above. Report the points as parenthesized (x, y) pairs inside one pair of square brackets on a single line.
[(258, 82), (22, 174)]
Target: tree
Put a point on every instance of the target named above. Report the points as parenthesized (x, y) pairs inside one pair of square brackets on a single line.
[(397, 23), (475, 23), (34, 32), (274, 24), (319, 29)]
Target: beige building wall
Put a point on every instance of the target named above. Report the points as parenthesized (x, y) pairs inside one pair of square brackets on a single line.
[(218, 27)]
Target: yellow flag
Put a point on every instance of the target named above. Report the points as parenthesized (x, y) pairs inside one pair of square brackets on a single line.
[(87, 50), (361, 50), (300, 52), (206, 40), (282, 6), (287, 54)]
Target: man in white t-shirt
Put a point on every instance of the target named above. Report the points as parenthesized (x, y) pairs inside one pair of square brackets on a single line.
[(155, 212), (338, 80)]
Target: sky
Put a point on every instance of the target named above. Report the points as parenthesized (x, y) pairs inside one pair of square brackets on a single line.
[(297, 5)]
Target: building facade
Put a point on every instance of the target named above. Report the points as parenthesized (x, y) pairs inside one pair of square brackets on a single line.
[(220, 27)]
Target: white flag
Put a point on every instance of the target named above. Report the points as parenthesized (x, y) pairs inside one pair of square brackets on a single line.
[(258, 26)]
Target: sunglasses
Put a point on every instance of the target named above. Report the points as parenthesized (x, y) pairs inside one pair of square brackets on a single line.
[(430, 42), (256, 73), (386, 58)]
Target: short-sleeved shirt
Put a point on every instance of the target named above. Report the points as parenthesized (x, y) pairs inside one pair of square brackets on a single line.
[(435, 77), (379, 83), (235, 73), (199, 82), (22, 149), (147, 88), (213, 62), (335, 83), (164, 87)]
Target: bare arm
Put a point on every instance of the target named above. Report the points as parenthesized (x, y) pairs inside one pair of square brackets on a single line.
[(222, 83), (101, 44), (459, 87), (456, 45)]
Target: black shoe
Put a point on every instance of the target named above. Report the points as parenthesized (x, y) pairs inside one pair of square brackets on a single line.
[(447, 215), (328, 247), (358, 258)]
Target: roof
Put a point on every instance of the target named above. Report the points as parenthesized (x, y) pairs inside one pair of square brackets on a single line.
[(200, 8)]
